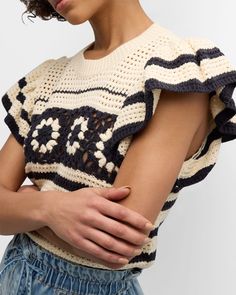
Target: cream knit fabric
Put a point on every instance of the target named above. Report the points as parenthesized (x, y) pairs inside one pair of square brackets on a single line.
[(75, 117)]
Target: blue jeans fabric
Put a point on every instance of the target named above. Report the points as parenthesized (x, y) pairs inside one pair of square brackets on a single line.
[(27, 268)]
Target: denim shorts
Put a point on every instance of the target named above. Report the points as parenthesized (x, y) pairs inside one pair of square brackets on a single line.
[(27, 268)]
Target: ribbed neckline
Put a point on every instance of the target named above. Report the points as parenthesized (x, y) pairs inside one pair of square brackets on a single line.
[(96, 65)]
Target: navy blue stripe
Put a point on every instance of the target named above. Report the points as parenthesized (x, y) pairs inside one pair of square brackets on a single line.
[(124, 131), (6, 102), (227, 130), (14, 128), (40, 99), (144, 257), (89, 90), (22, 82), (180, 183), (167, 205), (213, 135), (154, 232), (132, 128), (193, 85), (10, 120), (57, 179), (198, 176), (24, 115), (21, 97), (134, 98), (182, 59)]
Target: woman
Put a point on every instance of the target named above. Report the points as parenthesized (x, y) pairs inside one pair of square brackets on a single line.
[(75, 120)]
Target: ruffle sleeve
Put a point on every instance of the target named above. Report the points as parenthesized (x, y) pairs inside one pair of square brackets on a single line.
[(201, 67), (185, 65), (19, 99)]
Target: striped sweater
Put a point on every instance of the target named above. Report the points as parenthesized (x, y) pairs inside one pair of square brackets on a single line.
[(75, 117)]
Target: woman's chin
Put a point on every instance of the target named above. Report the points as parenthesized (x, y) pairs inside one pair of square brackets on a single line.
[(74, 19)]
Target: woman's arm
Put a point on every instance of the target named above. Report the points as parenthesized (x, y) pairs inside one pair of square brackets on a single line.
[(29, 210), (155, 156), (19, 212)]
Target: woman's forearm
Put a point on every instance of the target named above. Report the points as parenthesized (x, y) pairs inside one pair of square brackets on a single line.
[(21, 212)]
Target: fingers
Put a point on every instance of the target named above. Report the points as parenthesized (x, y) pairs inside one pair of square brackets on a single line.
[(96, 259), (117, 229), (105, 240), (115, 194), (122, 213), (111, 193), (103, 254)]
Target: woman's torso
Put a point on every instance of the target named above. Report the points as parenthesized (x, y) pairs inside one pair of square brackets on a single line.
[(57, 241)]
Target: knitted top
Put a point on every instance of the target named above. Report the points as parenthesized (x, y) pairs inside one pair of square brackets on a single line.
[(75, 117)]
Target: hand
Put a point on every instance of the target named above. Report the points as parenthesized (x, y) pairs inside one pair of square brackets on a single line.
[(47, 232), (81, 238), (86, 219)]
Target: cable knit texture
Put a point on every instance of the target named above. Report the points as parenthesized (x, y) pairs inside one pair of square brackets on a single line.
[(75, 117)]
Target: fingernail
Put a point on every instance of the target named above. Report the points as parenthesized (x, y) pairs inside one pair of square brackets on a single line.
[(123, 260), (147, 240), (137, 252), (149, 225), (124, 187)]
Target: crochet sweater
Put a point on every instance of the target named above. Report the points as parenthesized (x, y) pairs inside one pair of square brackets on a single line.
[(75, 117)]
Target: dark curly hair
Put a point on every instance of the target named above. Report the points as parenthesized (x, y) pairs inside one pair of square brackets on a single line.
[(42, 9)]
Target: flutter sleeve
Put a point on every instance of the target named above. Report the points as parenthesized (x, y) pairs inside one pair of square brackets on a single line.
[(196, 65), (191, 64), (18, 101), (201, 67)]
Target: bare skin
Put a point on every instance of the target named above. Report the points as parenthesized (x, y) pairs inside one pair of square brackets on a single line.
[(112, 25)]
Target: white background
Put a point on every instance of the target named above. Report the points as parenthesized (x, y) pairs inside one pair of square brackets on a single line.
[(196, 247)]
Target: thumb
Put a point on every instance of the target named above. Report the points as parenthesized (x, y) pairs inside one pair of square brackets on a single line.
[(115, 193)]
